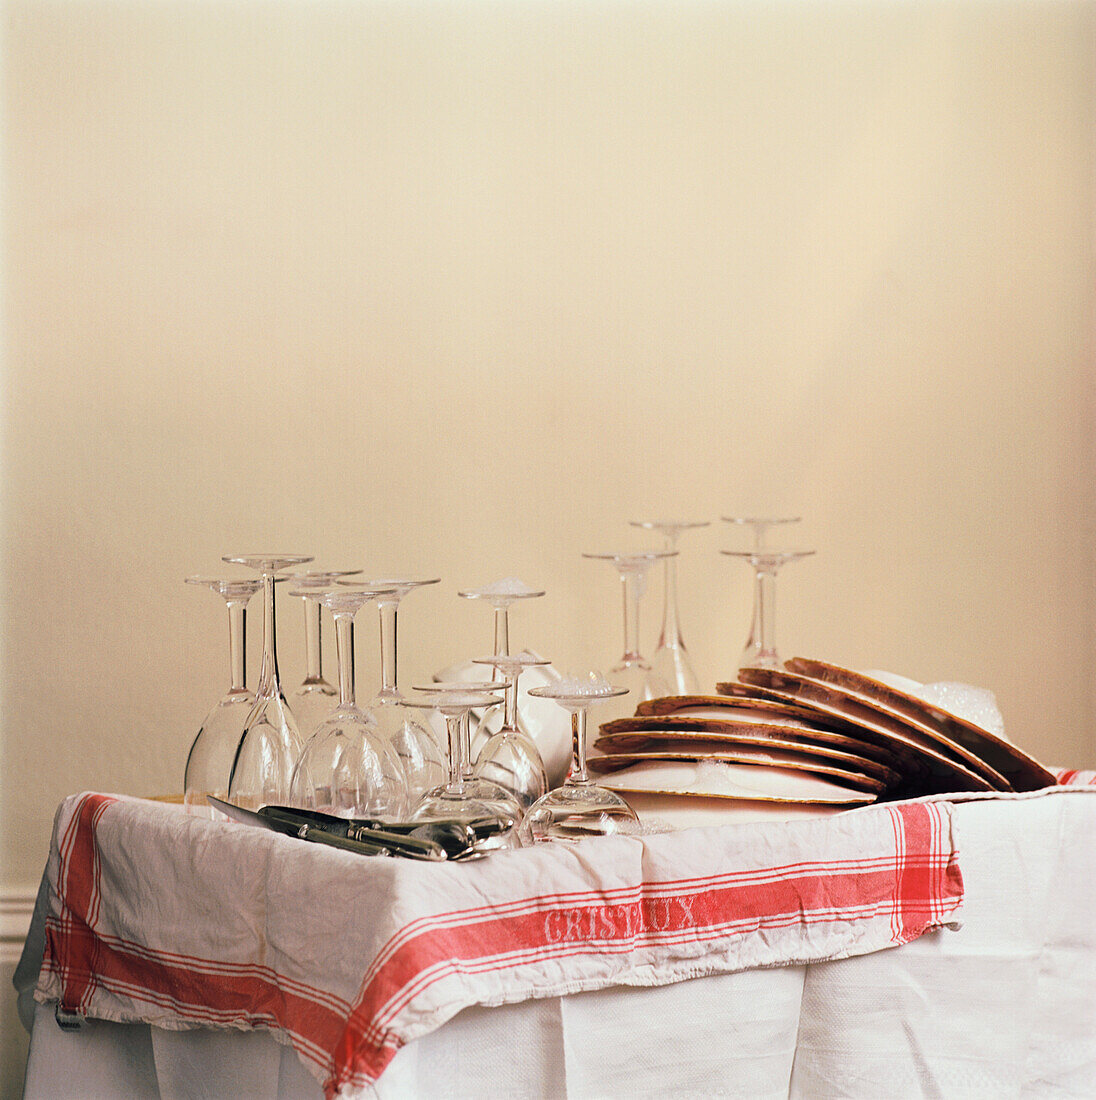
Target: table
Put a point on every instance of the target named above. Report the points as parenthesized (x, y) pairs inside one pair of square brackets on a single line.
[(1002, 1005)]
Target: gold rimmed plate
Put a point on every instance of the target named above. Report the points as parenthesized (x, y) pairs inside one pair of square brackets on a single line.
[(729, 724), (779, 759), (713, 741), (1020, 771), (734, 782)]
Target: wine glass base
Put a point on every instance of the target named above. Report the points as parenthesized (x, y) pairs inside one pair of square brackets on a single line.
[(577, 811)]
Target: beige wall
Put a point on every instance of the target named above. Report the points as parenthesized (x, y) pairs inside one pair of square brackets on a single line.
[(462, 287)]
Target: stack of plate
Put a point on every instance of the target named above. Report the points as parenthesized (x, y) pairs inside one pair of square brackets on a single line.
[(811, 738)]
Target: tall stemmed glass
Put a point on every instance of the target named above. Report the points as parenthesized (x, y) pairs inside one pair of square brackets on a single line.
[(453, 801), (315, 699), (579, 808), (414, 743), (209, 762), (671, 659), (634, 671), (271, 742), (347, 768), (760, 651), (510, 758)]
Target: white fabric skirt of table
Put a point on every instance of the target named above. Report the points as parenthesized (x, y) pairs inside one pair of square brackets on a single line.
[(1003, 1007)]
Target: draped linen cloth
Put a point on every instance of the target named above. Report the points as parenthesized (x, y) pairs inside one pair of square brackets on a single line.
[(158, 917)]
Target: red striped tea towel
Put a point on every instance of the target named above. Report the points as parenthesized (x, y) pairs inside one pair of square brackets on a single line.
[(171, 920)]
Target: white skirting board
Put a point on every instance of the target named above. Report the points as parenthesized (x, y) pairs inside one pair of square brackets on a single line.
[(16, 907)]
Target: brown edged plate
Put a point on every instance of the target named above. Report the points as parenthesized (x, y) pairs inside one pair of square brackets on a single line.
[(844, 702), (703, 779), (648, 733), (753, 712), (746, 708), (928, 764), (1020, 770), (779, 759)]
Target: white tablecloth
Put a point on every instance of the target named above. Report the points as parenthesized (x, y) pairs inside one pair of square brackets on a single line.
[(1005, 1006)]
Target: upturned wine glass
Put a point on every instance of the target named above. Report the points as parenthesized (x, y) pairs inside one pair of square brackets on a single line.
[(634, 672), (271, 742), (414, 743), (454, 801), (475, 786), (209, 762), (580, 808), (760, 651), (347, 768), (510, 758), (671, 659), (315, 699)]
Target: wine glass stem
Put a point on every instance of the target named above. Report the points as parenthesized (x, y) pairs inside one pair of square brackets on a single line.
[(630, 583), (510, 712), (388, 609), (344, 651), (237, 646), (578, 748), (502, 631), (765, 596), (464, 743), (671, 633), (268, 669), (313, 641), (453, 724)]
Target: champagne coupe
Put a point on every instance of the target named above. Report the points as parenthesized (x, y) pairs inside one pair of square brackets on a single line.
[(760, 651), (414, 743), (671, 659), (474, 786), (315, 699), (510, 758), (270, 742), (347, 768), (209, 762), (634, 671), (579, 808), (453, 801)]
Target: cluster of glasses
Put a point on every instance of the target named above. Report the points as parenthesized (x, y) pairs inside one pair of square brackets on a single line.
[(319, 750), (670, 670)]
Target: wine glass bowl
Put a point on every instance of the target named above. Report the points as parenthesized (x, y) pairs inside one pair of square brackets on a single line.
[(509, 757)]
